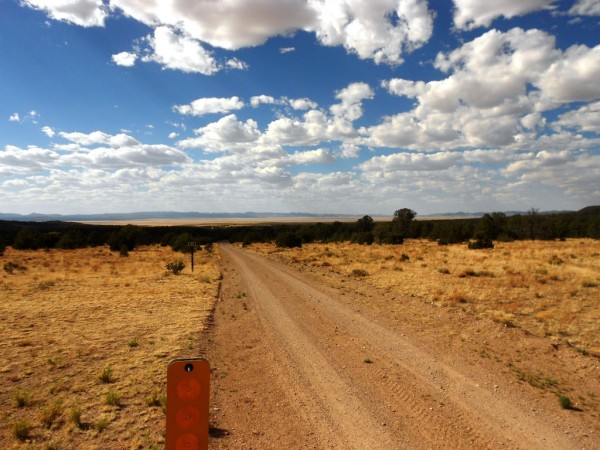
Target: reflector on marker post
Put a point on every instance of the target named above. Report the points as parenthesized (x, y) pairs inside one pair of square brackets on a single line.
[(188, 394)]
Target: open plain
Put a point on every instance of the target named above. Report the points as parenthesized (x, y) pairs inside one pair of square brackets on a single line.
[(324, 346)]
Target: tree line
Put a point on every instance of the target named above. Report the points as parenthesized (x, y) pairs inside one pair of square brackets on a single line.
[(481, 232)]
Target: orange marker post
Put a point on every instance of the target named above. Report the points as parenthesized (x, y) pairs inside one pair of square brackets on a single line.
[(188, 395)]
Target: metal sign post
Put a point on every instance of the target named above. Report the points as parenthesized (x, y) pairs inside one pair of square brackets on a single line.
[(192, 245)]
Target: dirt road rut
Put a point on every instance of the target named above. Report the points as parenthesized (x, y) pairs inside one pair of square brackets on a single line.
[(297, 365)]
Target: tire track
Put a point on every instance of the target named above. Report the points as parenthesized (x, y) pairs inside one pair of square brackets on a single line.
[(353, 426), (413, 400)]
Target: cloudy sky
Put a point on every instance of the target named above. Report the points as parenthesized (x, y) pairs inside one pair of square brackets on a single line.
[(321, 106)]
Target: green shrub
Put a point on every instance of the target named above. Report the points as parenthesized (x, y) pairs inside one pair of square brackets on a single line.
[(555, 260), (163, 403), (23, 398), (481, 243), (107, 375), (175, 267), (472, 273), (10, 267), (288, 239), (75, 417), (123, 251), (113, 399), (363, 237), (360, 273), (157, 399), (72, 239), (51, 413), (565, 402), (21, 429), (153, 399), (101, 424)]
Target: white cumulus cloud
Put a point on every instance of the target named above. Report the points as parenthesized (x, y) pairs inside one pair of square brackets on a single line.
[(237, 64), (411, 162), (540, 160), (125, 59), (497, 89), (286, 130), (179, 52), (351, 97), (126, 156), (381, 30), (29, 159), (98, 138), (586, 8), (258, 100), (210, 105), (574, 77), (86, 13), (231, 24), (476, 13), (311, 157), (225, 135), (302, 103), (48, 131), (586, 118)]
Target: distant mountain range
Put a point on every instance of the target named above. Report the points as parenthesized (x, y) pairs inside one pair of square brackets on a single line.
[(149, 215)]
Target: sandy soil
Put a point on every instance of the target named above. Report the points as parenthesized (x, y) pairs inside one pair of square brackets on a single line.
[(315, 360)]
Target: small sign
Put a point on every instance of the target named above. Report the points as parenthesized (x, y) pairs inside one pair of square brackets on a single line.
[(188, 395)]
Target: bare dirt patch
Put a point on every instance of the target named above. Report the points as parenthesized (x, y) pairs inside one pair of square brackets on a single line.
[(85, 338)]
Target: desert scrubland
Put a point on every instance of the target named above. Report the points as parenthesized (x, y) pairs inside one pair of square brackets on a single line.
[(85, 339), (549, 288), (86, 335)]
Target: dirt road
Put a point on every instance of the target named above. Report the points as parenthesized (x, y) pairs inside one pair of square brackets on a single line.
[(300, 363)]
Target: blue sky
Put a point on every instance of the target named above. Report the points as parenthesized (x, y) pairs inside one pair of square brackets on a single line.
[(320, 106)]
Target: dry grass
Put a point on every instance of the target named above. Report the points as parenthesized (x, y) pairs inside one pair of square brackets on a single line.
[(547, 288), (74, 317)]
